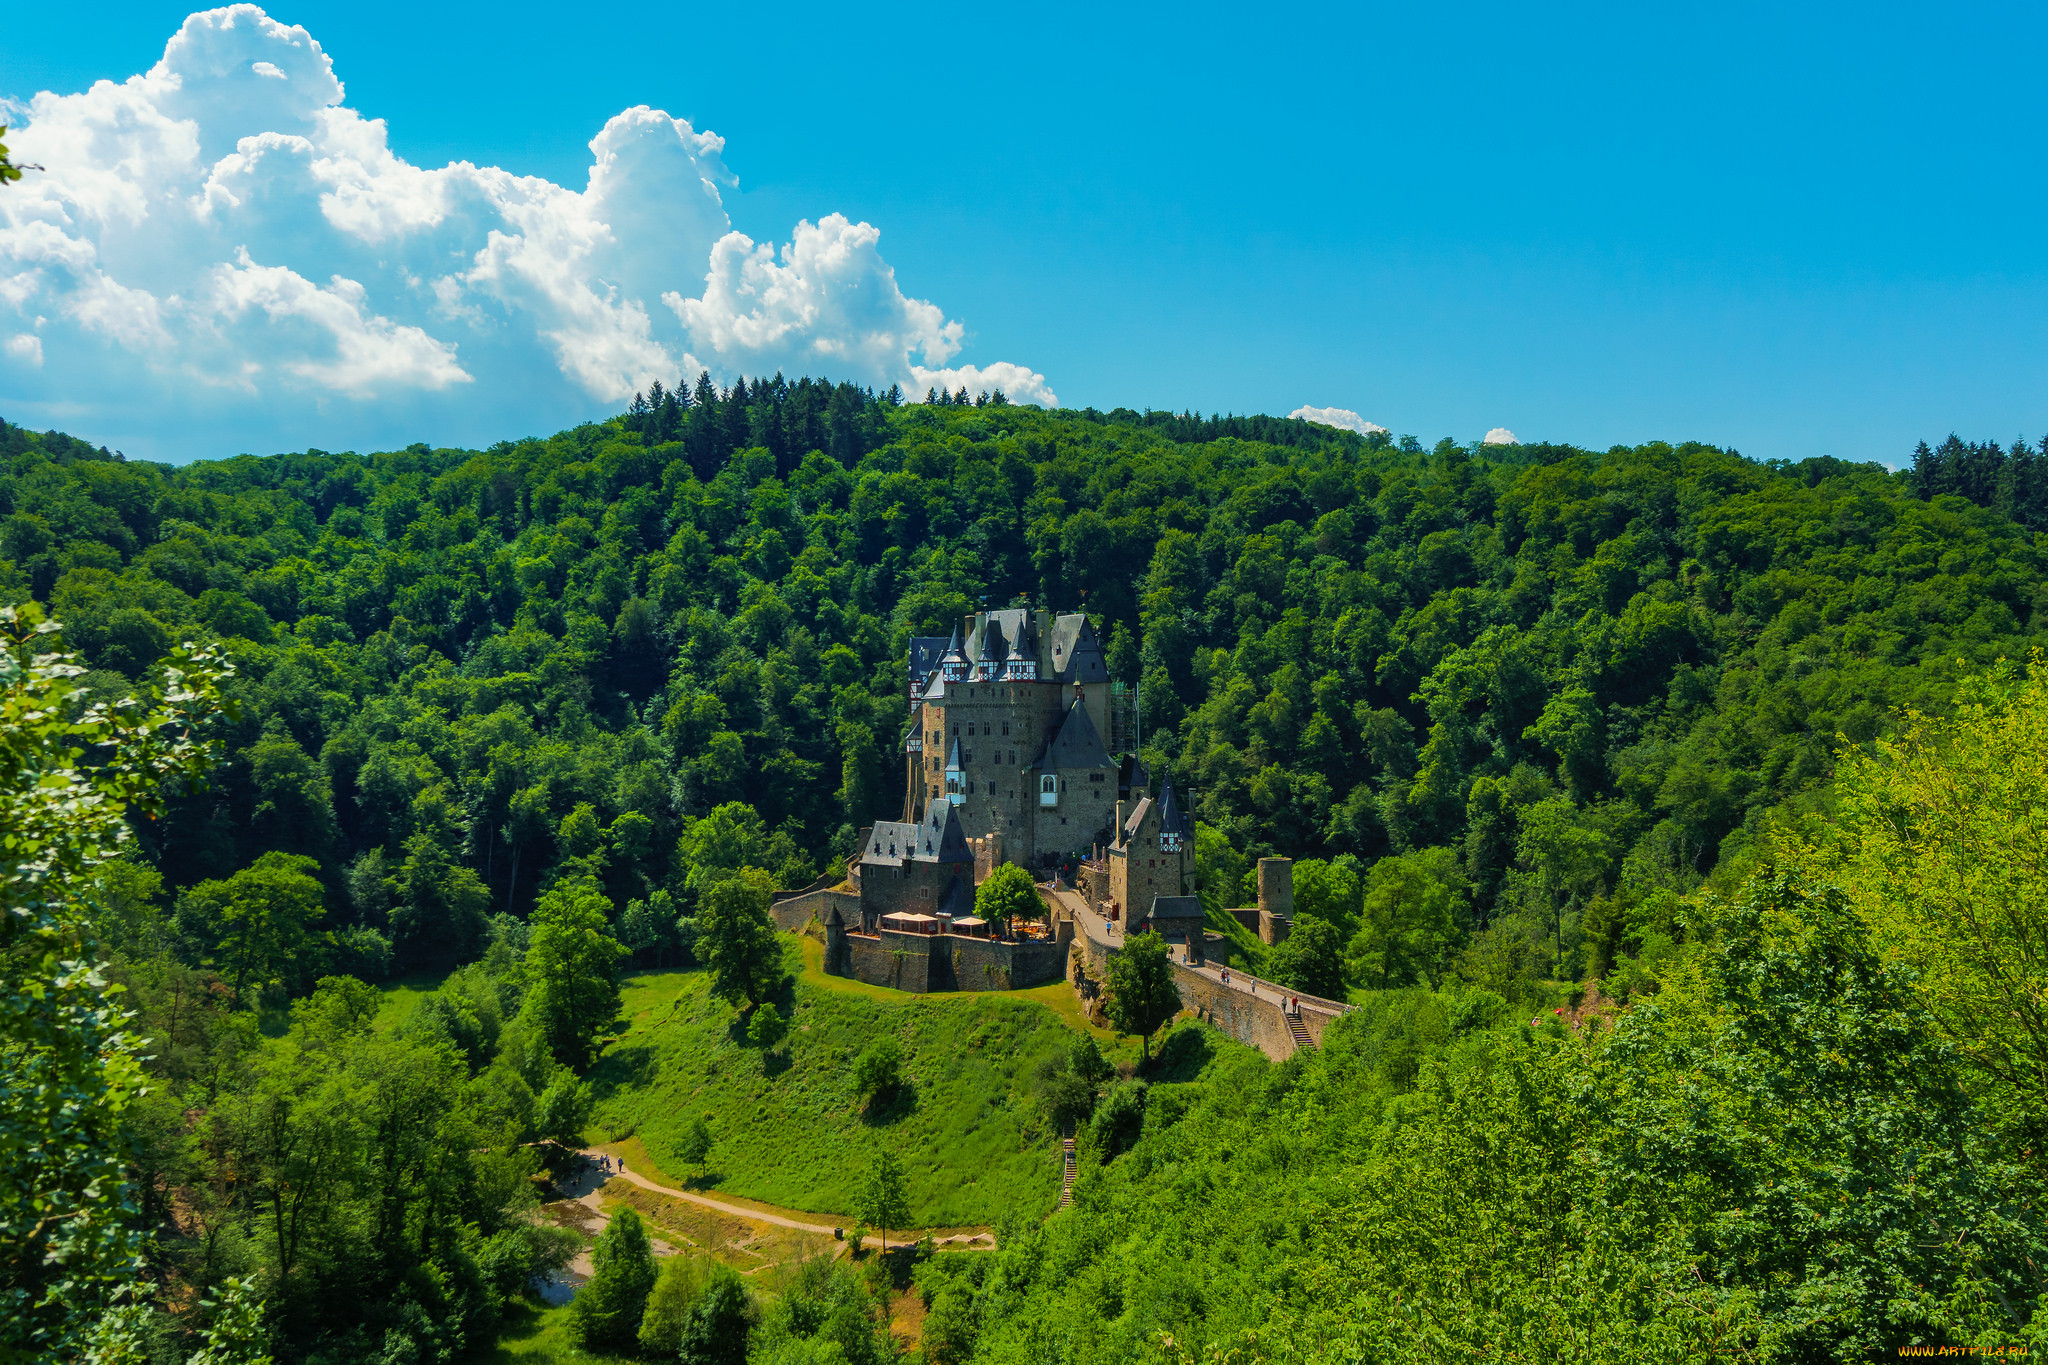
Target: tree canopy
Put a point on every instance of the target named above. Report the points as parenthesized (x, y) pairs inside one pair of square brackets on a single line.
[(1523, 715), (1141, 994)]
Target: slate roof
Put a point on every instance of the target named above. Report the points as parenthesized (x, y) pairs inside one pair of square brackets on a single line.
[(1135, 820), (1009, 633), (1172, 820), (1133, 777), (890, 843), (935, 839), (1077, 745), (1076, 654), (998, 635), (925, 653), (935, 681), (1174, 907)]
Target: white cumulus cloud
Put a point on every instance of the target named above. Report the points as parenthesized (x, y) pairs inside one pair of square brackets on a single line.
[(1500, 436), (1337, 417), (223, 255)]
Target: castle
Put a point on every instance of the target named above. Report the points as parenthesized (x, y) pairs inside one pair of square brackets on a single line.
[(1005, 761), (1006, 726)]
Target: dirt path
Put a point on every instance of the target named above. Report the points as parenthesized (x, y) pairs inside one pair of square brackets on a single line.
[(776, 1219)]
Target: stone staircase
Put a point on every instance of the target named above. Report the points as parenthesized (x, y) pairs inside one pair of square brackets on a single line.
[(1067, 1173), (1302, 1042)]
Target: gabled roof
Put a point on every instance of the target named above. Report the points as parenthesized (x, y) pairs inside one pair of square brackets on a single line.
[(958, 900), (1076, 654), (944, 841), (953, 756), (1174, 907), (1135, 820), (1077, 745)]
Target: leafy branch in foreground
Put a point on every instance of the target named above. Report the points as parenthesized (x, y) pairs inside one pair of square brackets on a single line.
[(72, 774), (10, 169)]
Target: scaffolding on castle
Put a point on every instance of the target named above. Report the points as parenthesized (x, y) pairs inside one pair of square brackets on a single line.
[(1123, 718)]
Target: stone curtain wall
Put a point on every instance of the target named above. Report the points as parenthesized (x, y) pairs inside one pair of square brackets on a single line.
[(793, 914), (1253, 1019), (950, 962), (1249, 1019)]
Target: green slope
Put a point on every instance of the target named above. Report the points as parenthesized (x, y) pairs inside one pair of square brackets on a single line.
[(789, 1132)]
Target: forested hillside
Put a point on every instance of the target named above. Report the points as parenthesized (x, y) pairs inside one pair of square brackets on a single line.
[(1516, 710), (1553, 681)]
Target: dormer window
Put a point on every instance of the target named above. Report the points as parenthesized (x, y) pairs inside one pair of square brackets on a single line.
[(1169, 842)]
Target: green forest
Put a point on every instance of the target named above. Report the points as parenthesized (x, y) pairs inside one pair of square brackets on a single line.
[(1610, 777)]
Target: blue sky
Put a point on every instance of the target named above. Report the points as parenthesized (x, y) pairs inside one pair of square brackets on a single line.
[(1796, 232)]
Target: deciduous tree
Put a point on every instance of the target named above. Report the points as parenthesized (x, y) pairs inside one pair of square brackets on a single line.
[(1141, 993)]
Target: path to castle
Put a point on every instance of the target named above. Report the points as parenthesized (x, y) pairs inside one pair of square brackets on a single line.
[(756, 1215)]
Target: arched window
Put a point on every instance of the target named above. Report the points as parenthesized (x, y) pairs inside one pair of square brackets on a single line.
[(1048, 790)]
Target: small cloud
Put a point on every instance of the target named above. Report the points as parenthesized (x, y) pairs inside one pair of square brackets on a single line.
[(1019, 383), (1337, 417), (267, 69), (27, 348), (1501, 436)]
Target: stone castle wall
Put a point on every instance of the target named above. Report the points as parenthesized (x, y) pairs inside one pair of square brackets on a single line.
[(948, 962), (1253, 1019), (1093, 884), (792, 913)]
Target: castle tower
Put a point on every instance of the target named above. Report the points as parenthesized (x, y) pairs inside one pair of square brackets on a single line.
[(1152, 869), (1276, 899)]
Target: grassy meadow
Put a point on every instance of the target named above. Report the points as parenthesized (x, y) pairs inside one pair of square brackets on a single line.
[(787, 1127)]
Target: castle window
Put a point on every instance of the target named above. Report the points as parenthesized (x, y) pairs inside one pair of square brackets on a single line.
[(1006, 727), (956, 727), (1049, 790), (1095, 777)]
